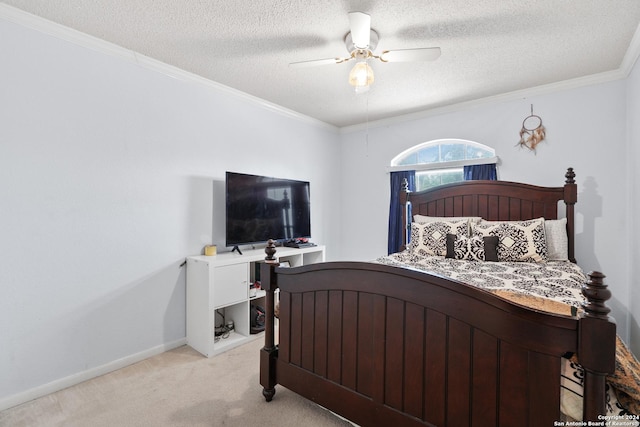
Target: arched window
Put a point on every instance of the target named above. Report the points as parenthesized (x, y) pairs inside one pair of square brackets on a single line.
[(442, 161)]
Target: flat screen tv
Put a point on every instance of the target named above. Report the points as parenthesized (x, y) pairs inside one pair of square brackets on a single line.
[(259, 208)]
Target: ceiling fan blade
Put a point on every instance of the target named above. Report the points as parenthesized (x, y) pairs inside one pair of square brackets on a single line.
[(360, 24), (409, 55), (317, 62)]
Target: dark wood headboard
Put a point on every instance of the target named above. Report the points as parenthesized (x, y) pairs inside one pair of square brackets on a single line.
[(494, 201)]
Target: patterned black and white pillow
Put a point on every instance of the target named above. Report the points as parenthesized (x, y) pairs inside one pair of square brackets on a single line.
[(470, 219), (519, 241), (474, 248), (429, 239)]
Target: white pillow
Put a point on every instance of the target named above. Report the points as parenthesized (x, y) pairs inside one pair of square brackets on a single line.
[(557, 241)]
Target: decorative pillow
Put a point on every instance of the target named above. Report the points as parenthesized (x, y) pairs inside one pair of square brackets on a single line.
[(555, 231), (518, 240), (430, 238), (424, 218), (472, 248), (470, 219)]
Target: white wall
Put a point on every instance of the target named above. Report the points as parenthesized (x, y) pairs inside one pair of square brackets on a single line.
[(633, 232), (110, 174), (586, 129)]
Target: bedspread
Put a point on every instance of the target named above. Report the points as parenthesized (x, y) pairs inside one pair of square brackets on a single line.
[(560, 281)]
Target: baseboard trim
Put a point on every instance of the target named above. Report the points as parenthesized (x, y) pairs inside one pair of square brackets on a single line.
[(62, 383)]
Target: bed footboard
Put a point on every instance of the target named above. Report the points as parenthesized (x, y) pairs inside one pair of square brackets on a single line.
[(382, 345)]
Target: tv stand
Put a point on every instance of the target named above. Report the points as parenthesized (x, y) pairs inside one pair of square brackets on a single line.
[(236, 248), (218, 287)]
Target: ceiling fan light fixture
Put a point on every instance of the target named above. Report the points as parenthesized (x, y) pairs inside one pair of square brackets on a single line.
[(361, 41), (361, 76)]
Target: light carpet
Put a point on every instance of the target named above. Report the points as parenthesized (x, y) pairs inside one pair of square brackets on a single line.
[(177, 388)]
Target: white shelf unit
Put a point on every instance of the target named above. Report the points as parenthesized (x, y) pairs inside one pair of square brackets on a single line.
[(218, 286)]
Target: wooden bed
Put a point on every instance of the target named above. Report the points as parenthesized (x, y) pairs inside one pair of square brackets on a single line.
[(382, 345)]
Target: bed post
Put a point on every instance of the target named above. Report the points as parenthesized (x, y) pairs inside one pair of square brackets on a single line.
[(570, 199), (269, 353), (406, 213), (596, 345)]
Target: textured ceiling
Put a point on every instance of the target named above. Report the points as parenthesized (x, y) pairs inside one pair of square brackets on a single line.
[(489, 47)]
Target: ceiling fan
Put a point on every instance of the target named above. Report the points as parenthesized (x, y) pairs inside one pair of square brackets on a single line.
[(360, 42)]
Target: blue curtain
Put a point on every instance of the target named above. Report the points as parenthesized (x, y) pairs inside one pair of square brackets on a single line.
[(473, 172), (395, 210)]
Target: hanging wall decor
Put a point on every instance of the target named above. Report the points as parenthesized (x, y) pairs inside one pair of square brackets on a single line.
[(532, 132)]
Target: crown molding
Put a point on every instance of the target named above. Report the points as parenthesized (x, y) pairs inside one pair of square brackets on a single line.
[(626, 66), (25, 19), (632, 54), (593, 79), (62, 32)]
